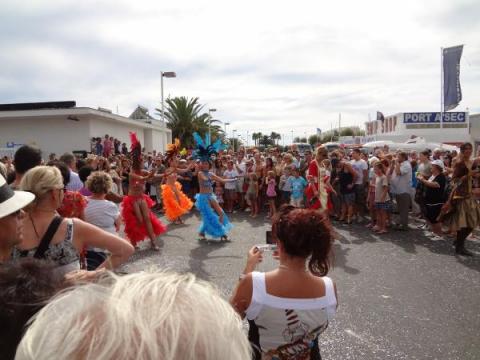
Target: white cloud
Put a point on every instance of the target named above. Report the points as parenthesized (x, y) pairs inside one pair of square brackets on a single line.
[(265, 65)]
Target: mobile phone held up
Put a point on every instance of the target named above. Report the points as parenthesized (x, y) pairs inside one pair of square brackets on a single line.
[(268, 238)]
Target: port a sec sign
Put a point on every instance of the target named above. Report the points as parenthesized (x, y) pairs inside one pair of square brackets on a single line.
[(434, 117)]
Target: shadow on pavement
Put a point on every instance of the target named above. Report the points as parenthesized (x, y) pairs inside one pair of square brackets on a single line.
[(340, 259), (201, 253)]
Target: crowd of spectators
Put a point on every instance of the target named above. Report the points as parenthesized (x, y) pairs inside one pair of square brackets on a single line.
[(60, 231)]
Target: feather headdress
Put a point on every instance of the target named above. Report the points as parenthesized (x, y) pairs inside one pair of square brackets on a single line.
[(172, 150), (135, 148), (204, 150)]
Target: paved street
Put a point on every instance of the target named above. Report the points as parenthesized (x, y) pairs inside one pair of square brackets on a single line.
[(402, 295)]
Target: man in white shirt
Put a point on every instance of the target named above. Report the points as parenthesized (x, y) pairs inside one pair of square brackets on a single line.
[(400, 175), (75, 184), (230, 187), (241, 168), (360, 167)]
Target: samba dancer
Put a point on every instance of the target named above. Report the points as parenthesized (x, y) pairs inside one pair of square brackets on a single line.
[(140, 221), (214, 220), (175, 202)]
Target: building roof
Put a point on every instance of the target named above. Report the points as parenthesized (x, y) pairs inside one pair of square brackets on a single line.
[(75, 114)]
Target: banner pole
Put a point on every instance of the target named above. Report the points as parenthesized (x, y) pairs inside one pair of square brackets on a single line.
[(441, 87)]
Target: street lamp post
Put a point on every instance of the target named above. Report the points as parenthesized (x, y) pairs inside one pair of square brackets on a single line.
[(210, 121), (225, 126), (167, 74), (233, 139)]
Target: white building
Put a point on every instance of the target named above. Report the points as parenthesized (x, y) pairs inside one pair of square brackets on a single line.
[(58, 128), (453, 128)]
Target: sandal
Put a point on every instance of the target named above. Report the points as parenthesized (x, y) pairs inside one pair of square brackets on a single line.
[(154, 247)]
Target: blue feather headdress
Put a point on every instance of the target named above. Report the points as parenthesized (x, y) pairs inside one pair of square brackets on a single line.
[(204, 150)]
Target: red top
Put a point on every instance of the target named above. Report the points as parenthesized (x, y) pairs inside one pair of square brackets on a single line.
[(73, 204)]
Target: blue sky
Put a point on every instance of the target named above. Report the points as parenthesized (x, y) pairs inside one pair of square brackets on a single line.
[(264, 65)]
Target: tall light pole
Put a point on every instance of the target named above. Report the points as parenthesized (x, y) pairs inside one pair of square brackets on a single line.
[(225, 126), (247, 138), (167, 74), (210, 121), (233, 139)]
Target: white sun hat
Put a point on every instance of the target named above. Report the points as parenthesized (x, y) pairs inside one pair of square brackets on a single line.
[(12, 201), (439, 163)]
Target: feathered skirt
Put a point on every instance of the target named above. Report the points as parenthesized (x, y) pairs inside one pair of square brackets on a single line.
[(175, 203), (465, 214), (210, 220), (134, 230)]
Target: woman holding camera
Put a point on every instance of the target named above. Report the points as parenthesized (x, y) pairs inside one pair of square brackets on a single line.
[(288, 308)]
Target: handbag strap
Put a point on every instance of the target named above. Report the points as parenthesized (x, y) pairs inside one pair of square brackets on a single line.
[(47, 238)]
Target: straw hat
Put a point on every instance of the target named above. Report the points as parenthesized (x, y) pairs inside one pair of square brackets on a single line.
[(12, 201)]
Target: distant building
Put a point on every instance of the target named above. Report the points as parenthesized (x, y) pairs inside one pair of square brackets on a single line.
[(57, 127), (452, 128)]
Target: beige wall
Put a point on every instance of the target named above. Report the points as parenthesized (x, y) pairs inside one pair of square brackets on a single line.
[(56, 135)]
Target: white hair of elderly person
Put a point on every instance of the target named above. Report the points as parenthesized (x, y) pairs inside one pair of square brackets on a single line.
[(146, 315)]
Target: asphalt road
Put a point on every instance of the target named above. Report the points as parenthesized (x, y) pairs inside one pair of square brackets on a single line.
[(401, 295)]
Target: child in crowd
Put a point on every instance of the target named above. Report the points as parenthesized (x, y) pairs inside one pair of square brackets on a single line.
[(284, 186), (252, 193), (298, 185), (271, 193), (382, 199)]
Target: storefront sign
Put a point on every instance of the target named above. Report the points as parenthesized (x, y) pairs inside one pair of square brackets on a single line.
[(434, 117)]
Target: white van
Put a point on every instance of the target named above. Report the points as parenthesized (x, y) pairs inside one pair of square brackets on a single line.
[(302, 147)]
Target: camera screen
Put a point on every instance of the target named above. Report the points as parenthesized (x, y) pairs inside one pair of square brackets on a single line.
[(268, 237)]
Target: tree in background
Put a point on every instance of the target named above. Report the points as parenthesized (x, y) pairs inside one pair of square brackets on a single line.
[(184, 117), (235, 143), (314, 140), (265, 140), (256, 136), (298, 139), (275, 137)]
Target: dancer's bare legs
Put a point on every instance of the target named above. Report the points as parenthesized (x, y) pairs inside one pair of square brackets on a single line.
[(145, 211), (218, 210)]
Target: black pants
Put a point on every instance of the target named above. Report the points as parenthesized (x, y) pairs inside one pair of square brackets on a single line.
[(95, 259), (462, 235)]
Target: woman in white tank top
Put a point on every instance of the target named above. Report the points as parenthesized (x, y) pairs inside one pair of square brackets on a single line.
[(288, 308)]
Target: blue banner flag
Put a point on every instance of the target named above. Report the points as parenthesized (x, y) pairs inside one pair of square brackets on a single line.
[(452, 93), (319, 131), (380, 116)]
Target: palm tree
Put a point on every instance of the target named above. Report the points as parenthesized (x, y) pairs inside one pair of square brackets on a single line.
[(184, 117), (265, 140), (275, 136), (256, 136)]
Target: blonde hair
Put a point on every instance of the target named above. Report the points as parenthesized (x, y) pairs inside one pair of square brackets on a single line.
[(322, 151), (42, 179), (147, 315), (99, 182)]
